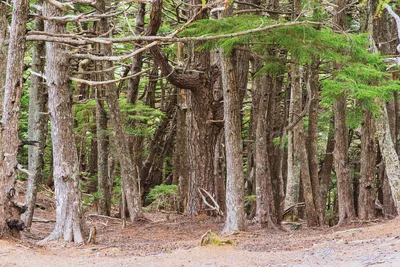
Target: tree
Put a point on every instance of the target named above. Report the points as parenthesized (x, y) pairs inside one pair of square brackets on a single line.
[(344, 184), (9, 209), (37, 124), (69, 221)]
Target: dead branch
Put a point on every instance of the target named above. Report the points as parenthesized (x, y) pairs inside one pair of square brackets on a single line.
[(216, 207), (40, 220), (103, 216), (171, 37), (94, 83)]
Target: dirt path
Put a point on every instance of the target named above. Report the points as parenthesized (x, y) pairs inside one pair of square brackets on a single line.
[(175, 243)]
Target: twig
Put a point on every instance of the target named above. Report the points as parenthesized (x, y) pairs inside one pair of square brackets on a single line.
[(103, 216), (40, 220)]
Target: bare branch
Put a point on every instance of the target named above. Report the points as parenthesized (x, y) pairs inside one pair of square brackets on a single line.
[(93, 83), (171, 39)]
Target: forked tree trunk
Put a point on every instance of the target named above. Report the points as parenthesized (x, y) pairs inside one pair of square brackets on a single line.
[(9, 211), (37, 124), (69, 221), (235, 219), (129, 173)]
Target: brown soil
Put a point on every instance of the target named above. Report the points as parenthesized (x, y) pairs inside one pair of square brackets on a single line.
[(174, 240)]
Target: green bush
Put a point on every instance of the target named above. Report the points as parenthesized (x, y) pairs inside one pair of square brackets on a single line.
[(163, 197)]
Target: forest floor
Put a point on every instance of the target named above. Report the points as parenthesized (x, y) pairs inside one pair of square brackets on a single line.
[(174, 240)]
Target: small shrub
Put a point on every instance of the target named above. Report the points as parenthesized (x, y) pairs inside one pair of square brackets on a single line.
[(163, 197)]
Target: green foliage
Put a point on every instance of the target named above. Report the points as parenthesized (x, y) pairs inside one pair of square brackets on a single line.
[(163, 197), (140, 119)]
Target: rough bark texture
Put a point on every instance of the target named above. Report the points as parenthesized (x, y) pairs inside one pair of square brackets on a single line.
[(293, 176), (344, 183), (37, 124), (235, 219), (389, 154), (261, 160), (366, 205), (312, 140), (3, 50), (326, 170), (65, 159), (9, 212), (129, 173)]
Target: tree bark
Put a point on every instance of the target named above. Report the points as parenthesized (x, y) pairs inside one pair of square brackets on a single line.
[(366, 204), (69, 221), (9, 212), (344, 183), (129, 173), (3, 50), (37, 124), (325, 174), (293, 176), (235, 219), (103, 179), (389, 154), (312, 140)]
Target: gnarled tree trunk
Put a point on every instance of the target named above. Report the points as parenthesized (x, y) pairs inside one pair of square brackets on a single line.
[(9, 211), (69, 221)]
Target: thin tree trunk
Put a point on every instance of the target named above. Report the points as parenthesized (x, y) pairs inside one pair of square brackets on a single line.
[(137, 60), (37, 124), (69, 221), (103, 183), (235, 219), (9, 212), (128, 167)]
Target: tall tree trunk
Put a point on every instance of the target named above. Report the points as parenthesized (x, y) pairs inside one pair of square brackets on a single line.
[(312, 148), (9, 212), (344, 184), (69, 221), (293, 176), (366, 205), (235, 219), (103, 179), (37, 124), (128, 167)]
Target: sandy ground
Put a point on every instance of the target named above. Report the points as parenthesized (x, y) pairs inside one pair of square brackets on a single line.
[(160, 244), (174, 240)]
